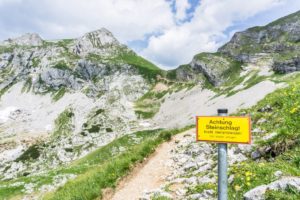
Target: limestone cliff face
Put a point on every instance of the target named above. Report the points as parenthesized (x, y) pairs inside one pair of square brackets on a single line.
[(212, 67), (95, 42), (71, 63), (29, 39), (279, 39), (66, 97), (277, 42)]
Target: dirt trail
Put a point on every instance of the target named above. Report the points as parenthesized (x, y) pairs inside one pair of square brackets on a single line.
[(150, 175)]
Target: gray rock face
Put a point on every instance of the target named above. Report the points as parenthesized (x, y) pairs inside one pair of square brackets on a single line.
[(5, 59), (287, 66), (207, 70), (258, 192), (56, 78), (185, 73), (28, 39), (38, 65), (278, 39), (98, 91), (98, 40), (215, 67), (275, 45), (268, 39), (88, 70)]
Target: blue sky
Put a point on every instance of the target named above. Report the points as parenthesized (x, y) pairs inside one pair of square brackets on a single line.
[(167, 32)]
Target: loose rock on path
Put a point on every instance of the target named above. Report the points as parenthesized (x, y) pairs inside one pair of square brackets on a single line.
[(151, 175)]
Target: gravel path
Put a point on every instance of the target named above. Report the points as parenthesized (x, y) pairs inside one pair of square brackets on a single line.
[(151, 175)]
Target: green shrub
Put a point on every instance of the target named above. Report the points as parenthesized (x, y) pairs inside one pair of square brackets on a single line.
[(62, 65), (33, 152)]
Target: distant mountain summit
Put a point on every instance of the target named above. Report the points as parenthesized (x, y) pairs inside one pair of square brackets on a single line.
[(73, 92), (28, 39), (92, 41), (278, 40), (282, 35), (276, 44)]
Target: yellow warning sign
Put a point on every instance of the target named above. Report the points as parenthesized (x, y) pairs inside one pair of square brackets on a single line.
[(224, 129)]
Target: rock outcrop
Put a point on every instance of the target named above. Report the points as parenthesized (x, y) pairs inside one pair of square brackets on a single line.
[(97, 41), (212, 67), (278, 39), (277, 43), (287, 66), (73, 93), (28, 39), (282, 184)]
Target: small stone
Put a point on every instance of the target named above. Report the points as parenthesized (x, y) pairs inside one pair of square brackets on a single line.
[(209, 192), (269, 136), (267, 108), (180, 192), (192, 180), (230, 179), (257, 130), (278, 173), (195, 196), (189, 166), (261, 121), (255, 155)]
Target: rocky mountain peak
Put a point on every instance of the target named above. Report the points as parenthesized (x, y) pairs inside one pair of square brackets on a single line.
[(275, 45), (279, 36), (28, 39), (98, 39)]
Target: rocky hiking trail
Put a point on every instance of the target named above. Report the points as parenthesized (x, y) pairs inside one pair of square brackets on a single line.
[(179, 167), (151, 174), (172, 171)]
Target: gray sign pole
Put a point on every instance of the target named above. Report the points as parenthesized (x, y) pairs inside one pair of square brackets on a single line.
[(222, 164)]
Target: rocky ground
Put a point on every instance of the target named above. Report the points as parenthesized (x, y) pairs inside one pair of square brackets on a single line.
[(186, 169), (176, 169), (193, 169), (199, 101)]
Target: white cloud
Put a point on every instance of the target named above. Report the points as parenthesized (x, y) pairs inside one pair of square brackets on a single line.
[(181, 7), (205, 32), (3, 2), (127, 19), (171, 39)]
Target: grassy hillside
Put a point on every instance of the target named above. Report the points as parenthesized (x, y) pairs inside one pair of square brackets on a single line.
[(98, 170), (125, 56), (211, 70), (278, 114), (107, 166)]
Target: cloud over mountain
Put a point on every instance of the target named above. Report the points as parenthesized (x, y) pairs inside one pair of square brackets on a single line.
[(168, 32)]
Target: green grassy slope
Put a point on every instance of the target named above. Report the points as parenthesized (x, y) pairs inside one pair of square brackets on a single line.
[(278, 113), (106, 168), (96, 171)]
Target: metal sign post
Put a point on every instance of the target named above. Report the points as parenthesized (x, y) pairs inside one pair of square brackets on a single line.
[(223, 129), (222, 164)]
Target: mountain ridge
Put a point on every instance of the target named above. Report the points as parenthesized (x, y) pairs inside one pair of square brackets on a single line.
[(275, 43)]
